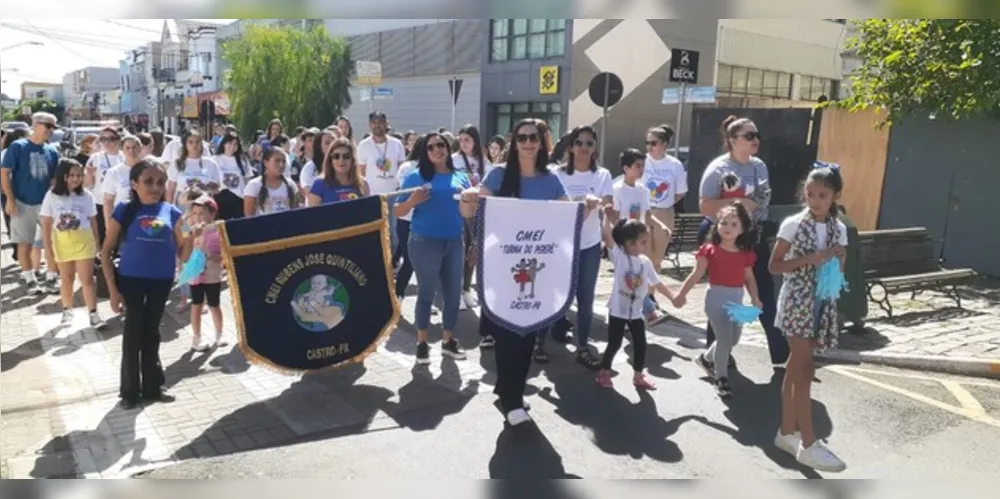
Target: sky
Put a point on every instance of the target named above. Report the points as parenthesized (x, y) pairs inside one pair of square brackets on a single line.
[(67, 45)]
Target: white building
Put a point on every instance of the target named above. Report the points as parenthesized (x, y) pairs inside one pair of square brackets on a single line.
[(82, 88)]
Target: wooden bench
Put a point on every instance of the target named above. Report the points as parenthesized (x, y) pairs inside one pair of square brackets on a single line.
[(904, 260), (685, 236)]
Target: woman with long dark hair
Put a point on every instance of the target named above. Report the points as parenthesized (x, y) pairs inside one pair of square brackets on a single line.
[(192, 169), (117, 183), (341, 180), (525, 176), (274, 129), (272, 191), (435, 244), (584, 178), (401, 256), (150, 233), (497, 149), (471, 159), (314, 168), (98, 166), (345, 127), (235, 171)]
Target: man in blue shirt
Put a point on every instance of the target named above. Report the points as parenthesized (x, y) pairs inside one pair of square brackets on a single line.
[(26, 175)]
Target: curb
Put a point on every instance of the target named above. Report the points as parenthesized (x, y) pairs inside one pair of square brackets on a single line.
[(965, 366)]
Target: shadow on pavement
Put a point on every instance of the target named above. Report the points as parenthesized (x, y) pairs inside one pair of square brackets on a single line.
[(62, 345), (524, 452)]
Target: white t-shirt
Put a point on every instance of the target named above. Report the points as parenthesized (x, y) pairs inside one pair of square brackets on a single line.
[(69, 212), (579, 185), (277, 198), (117, 183), (103, 162), (172, 150), (666, 179), (308, 175), (381, 163), (232, 178), (471, 167), (404, 170), (202, 173), (633, 277), (790, 226), (631, 201)]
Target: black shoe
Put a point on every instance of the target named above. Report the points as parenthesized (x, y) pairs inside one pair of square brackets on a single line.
[(128, 403), (539, 354), (705, 365), (423, 353), (162, 396), (487, 342), (560, 331), (722, 388), (452, 349)]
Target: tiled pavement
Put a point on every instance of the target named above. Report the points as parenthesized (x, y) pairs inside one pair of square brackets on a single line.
[(59, 386)]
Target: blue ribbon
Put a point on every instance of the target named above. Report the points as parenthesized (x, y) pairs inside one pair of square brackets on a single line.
[(830, 280), (822, 164), (193, 267), (742, 314)]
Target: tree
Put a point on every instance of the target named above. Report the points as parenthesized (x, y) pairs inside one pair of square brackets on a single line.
[(301, 77), (36, 105), (948, 68)]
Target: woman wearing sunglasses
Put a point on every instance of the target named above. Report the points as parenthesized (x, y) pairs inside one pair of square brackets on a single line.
[(150, 232), (740, 175), (341, 180), (97, 168)]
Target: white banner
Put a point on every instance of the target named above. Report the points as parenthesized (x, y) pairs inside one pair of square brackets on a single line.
[(528, 252)]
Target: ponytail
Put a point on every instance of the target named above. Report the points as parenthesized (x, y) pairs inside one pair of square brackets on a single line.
[(293, 198)]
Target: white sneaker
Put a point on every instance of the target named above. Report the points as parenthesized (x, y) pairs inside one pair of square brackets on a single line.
[(197, 345), (518, 416), (462, 305), (67, 318), (819, 458), (96, 321), (788, 443), (470, 300)]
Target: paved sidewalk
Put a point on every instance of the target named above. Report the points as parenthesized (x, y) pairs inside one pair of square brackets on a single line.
[(929, 326)]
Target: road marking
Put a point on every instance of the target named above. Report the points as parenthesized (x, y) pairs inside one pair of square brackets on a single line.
[(971, 408), (987, 384)]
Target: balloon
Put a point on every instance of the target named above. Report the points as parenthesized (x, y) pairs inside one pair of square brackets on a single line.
[(193, 267)]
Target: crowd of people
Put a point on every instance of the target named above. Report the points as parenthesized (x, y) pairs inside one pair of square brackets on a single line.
[(139, 209)]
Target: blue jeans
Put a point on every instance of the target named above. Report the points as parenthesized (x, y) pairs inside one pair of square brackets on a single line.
[(437, 262), (586, 284), (776, 343), (393, 221), (405, 271)]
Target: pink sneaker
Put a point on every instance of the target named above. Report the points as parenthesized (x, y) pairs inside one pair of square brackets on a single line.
[(603, 379), (643, 383)]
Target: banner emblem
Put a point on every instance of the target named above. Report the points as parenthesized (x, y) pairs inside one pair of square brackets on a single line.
[(528, 258), (312, 288)]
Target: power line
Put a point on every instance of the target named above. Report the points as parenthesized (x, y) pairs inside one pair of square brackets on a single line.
[(84, 34), (61, 44), (138, 28), (96, 43)]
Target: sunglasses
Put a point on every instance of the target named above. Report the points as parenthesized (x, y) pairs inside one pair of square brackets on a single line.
[(437, 145), (750, 135), (150, 182), (49, 126), (108, 139), (584, 143), (341, 156), (527, 137)]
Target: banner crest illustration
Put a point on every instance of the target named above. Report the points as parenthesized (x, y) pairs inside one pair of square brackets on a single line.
[(528, 256), (312, 288)]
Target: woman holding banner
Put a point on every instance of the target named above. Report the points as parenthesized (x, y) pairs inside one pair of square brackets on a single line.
[(341, 179), (525, 176), (435, 246)]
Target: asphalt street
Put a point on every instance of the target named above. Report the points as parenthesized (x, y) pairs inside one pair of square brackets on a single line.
[(884, 423)]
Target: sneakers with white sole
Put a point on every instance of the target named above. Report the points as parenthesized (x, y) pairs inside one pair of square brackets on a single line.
[(96, 321), (788, 443), (518, 416), (67, 318), (818, 457), (469, 298)]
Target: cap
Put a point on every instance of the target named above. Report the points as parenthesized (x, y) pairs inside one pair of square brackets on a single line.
[(376, 115), (44, 119), (206, 200)]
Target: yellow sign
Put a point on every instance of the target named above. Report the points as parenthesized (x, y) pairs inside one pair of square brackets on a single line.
[(548, 80), (190, 108)]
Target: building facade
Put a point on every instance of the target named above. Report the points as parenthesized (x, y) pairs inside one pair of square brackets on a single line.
[(40, 90), (82, 89)]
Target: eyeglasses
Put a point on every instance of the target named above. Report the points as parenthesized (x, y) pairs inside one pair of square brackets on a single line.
[(150, 182), (336, 156), (527, 137), (437, 145), (750, 135), (49, 126), (584, 143)]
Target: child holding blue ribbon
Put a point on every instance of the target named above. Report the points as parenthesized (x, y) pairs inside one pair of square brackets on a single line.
[(203, 251), (729, 259), (807, 308)]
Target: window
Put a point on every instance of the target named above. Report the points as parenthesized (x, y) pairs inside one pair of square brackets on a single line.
[(751, 82), (507, 115), (812, 87), (518, 39)]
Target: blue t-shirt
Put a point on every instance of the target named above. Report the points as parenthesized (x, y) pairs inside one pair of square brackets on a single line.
[(149, 249), (334, 193), (541, 187), (438, 217), (32, 168)]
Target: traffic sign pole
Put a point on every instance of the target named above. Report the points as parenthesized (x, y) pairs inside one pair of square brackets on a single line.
[(680, 119), (604, 121)]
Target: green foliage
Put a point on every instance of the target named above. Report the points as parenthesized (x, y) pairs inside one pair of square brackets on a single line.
[(948, 68), (36, 105), (301, 77)]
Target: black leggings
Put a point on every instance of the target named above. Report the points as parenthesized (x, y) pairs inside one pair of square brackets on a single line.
[(405, 272), (513, 359), (210, 292), (230, 205), (616, 333), (100, 226), (141, 371), (470, 264)]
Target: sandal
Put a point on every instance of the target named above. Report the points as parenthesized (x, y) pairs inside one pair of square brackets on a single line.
[(588, 359), (642, 382), (603, 379)]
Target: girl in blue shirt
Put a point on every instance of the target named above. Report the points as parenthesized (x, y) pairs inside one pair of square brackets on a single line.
[(435, 244), (150, 233), (341, 179)]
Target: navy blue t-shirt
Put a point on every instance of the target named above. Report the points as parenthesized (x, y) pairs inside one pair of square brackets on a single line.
[(149, 249), (334, 193)]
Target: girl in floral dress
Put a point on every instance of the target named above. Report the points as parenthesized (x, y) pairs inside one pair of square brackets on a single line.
[(805, 242)]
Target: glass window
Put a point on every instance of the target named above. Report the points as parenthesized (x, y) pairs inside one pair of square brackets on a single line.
[(540, 107), (555, 44), (770, 88), (520, 47), (755, 82), (521, 107), (557, 24), (536, 25), (499, 28), (500, 49), (555, 107), (503, 108), (514, 39), (507, 115), (520, 26), (724, 79), (503, 123), (740, 80), (536, 46), (785, 85)]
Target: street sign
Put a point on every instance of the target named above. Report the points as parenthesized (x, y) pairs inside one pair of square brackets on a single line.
[(548, 80), (692, 95), (683, 66), (606, 89), (455, 87), (369, 73), (381, 93), (366, 94)]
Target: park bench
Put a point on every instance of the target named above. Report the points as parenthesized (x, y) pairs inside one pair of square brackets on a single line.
[(685, 236), (904, 260)]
